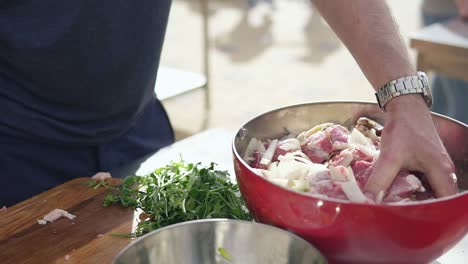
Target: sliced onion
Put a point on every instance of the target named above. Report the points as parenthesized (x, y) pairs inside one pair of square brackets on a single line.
[(290, 144), (266, 159), (356, 137), (350, 174), (353, 192), (280, 182), (336, 173), (304, 135), (294, 167), (299, 185), (260, 172), (338, 145)]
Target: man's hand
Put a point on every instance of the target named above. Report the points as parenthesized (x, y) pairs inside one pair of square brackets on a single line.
[(462, 7), (411, 142)]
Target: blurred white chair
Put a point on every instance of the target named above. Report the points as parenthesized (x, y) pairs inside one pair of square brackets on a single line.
[(172, 82)]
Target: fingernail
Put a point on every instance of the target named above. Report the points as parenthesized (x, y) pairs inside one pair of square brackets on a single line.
[(454, 177)]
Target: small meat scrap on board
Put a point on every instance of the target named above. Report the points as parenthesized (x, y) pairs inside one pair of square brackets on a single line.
[(54, 215), (101, 176), (3, 209)]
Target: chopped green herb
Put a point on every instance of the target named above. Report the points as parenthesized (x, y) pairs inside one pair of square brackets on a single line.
[(90, 183), (224, 253), (122, 235), (180, 192), (97, 184)]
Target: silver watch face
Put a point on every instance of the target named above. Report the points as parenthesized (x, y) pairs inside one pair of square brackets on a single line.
[(427, 93)]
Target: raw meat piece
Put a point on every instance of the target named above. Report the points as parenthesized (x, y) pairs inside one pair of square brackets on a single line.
[(420, 196), (279, 152), (344, 158), (101, 176), (322, 183), (254, 153), (319, 145), (338, 133), (257, 157), (358, 155), (286, 146), (318, 176), (366, 125), (362, 171), (328, 188), (403, 186)]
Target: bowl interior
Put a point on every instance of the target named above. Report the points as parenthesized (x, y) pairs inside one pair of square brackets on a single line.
[(298, 118), (219, 241)]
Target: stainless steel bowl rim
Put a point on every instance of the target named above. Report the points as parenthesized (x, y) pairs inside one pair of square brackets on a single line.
[(406, 204), (192, 222)]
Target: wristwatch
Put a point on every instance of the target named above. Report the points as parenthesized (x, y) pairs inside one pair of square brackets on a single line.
[(417, 84)]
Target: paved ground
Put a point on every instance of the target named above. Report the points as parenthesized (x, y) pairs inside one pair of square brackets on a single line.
[(264, 58)]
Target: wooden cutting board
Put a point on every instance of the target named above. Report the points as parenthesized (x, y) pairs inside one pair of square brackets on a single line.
[(86, 239)]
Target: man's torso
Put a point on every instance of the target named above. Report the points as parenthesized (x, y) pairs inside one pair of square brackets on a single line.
[(77, 72)]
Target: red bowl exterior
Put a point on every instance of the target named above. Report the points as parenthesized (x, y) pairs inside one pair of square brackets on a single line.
[(358, 233)]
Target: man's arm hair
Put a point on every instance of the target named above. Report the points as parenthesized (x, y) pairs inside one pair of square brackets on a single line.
[(369, 31)]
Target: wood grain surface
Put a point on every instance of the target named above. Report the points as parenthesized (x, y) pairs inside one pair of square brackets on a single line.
[(86, 239)]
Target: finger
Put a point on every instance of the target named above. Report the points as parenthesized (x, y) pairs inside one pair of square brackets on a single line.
[(384, 172), (440, 178), (464, 11)]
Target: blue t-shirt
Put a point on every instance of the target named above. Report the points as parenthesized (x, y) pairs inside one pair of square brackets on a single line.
[(78, 72)]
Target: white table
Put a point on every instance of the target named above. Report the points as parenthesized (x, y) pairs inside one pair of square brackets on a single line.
[(215, 146)]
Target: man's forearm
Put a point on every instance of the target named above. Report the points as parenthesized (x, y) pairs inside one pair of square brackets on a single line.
[(462, 7), (370, 33)]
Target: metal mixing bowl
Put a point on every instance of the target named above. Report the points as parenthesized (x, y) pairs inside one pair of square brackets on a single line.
[(349, 232), (219, 241)]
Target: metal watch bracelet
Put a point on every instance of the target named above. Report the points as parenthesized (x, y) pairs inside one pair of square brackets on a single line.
[(417, 84)]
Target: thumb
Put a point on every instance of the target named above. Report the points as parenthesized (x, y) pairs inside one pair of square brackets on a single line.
[(384, 172)]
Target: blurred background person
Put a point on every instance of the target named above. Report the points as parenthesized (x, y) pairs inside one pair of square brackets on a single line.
[(450, 95)]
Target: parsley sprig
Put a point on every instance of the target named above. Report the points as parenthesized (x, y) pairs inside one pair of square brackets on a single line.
[(96, 184), (180, 192)]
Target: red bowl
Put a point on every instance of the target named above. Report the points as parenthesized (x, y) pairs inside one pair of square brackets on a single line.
[(349, 232)]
